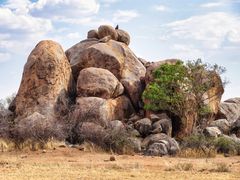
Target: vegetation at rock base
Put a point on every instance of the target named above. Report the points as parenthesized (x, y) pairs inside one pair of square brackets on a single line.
[(175, 85), (199, 146)]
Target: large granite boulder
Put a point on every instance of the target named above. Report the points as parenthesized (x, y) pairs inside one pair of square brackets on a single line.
[(47, 76), (113, 56), (98, 82), (101, 111), (75, 53), (230, 110)]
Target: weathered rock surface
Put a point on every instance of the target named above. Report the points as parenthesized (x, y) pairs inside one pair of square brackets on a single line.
[(106, 30), (235, 128), (92, 34), (163, 126), (123, 36), (222, 124), (144, 126), (46, 76), (212, 131), (160, 144), (75, 53), (115, 57), (98, 82), (116, 125), (214, 94), (101, 111), (230, 110)]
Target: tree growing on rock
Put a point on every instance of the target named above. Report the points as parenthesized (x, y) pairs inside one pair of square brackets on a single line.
[(177, 88)]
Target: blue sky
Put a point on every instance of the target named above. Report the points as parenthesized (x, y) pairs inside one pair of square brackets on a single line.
[(159, 29)]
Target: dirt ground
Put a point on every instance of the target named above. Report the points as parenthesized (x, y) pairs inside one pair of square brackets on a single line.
[(70, 163)]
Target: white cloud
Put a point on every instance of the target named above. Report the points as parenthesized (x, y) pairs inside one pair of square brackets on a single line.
[(4, 57), (74, 35), (210, 30), (212, 4), (19, 7), (125, 15), (19, 30), (161, 8), (187, 52), (86, 21), (10, 21), (64, 8)]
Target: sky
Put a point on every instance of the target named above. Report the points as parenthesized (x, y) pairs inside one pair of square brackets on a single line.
[(159, 29)]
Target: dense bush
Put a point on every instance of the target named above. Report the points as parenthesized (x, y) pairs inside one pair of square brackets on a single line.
[(116, 140), (197, 146), (201, 146), (38, 130), (225, 145), (176, 85)]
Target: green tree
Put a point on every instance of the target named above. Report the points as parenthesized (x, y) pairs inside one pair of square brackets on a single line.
[(175, 84)]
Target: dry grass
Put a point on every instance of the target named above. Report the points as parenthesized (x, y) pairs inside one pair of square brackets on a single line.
[(197, 153), (70, 163)]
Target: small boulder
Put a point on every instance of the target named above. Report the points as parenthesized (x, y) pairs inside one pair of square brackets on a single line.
[(106, 30), (157, 149), (154, 117), (156, 128), (143, 126), (212, 131), (230, 110), (123, 36), (112, 158), (116, 125), (134, 118), (92, 34), (166, 125), (222, 124), (166, 142)]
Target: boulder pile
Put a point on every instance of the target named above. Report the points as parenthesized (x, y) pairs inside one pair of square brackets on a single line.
[(101, 80)]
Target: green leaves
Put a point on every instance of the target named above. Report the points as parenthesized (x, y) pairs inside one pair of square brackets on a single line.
[(174, 84)]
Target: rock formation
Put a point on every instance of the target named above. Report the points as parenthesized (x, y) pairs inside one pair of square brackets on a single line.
[(104, 80), (46, 80)]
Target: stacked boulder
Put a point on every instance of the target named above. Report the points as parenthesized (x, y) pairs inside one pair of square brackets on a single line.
[(227, 120), (108, 76), (104, 81)]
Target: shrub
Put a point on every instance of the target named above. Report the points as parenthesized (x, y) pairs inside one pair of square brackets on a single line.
[(175, 85), (108, 139), (197, 146), (181, 167), (225, 145), (118, 141), (221, 167), (37, 129)]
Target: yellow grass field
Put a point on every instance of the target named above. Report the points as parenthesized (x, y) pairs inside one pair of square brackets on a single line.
[(70, 163)]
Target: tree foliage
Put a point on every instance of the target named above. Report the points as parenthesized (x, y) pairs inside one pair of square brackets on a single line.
[(175, 84)]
